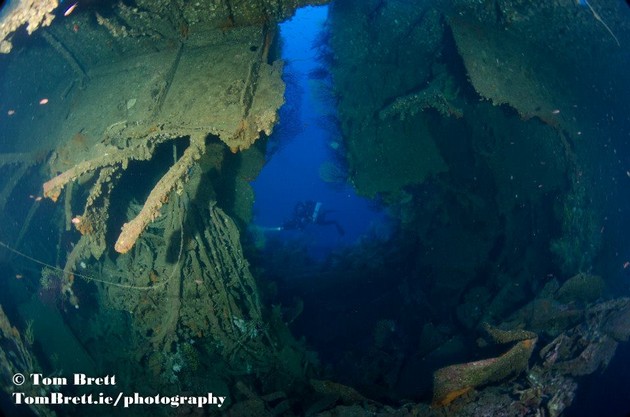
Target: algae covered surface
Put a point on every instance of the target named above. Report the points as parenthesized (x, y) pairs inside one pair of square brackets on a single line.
[(458, 246)]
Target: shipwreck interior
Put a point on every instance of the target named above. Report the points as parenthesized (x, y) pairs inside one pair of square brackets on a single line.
[(467, 164)]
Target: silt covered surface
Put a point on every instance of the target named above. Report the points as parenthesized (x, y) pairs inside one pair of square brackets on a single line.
[(481, 128)]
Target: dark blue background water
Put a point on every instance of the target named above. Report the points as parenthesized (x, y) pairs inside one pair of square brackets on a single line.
[(300, 144)]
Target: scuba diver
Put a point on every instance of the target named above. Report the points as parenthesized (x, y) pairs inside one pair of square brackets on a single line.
[(310, 212)]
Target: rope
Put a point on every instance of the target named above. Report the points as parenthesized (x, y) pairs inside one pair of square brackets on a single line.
[(600, 20), (114, 284)]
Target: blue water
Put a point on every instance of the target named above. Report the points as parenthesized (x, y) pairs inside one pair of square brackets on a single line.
[(300, 144)]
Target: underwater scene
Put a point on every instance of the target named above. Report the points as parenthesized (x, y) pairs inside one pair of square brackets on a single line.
[(283, 208)]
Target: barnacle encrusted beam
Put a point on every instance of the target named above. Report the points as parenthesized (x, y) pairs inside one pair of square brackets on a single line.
[(173, 179), (225, 88), (109, 156), (454, 381), (20, 158), (114, 159), (440, 95)]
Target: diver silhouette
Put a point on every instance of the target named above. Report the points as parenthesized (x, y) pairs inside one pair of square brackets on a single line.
[(310, 212)]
